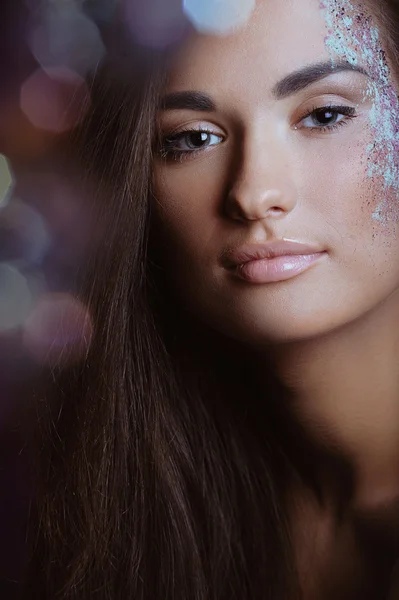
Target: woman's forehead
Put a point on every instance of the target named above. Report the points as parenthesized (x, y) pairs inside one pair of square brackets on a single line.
[(278, 38)]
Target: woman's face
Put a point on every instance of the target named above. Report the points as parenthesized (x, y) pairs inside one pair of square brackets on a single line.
[(284, 154)]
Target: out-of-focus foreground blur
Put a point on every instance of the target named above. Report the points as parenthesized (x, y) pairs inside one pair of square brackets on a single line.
[(50, 50)]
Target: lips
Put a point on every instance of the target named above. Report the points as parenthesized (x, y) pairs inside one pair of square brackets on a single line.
[(277, 261), (249, 252)]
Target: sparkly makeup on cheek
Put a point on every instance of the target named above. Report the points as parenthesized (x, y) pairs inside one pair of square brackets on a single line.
[(353, 36)]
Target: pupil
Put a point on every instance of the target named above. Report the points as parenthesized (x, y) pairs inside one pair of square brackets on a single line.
[(325, 116), (198, 139)]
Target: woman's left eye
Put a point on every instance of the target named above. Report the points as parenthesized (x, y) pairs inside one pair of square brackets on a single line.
[(327, 118)]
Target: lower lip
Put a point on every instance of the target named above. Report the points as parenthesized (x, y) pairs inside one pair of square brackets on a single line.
[(279, 268)]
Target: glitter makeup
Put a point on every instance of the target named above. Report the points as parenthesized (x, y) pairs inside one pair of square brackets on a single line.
[(352, 36)]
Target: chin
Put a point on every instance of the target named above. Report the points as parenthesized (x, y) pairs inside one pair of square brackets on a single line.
[(294, 314), (257, 330)]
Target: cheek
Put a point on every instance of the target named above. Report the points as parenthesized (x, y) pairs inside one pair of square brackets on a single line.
[(333, 188), (349, 185), (188, 206), (342, 200), (369, 254), (383, 175)]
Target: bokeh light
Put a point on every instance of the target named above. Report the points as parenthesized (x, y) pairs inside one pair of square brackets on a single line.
[(62, 201), (218, 16), (6, 180), (65, 36), (155, 23), (15, 297), (55, 99), (24, 236), (100, 11), (58, 330)]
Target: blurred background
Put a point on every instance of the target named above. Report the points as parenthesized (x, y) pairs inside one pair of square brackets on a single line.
[(49, 50)]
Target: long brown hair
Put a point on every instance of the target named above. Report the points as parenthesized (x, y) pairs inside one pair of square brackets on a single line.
[(158, 470)]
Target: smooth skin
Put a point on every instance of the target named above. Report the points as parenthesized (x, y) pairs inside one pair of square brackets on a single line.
[(275, 162)]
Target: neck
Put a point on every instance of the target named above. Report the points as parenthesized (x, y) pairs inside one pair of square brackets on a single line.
[(343, 393)]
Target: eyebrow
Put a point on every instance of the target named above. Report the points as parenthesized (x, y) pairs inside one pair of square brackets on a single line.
[(188, 101), (289, 85), (301, 79)]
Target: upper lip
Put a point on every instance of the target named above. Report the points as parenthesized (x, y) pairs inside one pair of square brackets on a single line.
[(248, 252)]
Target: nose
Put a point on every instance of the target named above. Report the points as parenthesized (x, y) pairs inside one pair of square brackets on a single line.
[(263, 186)]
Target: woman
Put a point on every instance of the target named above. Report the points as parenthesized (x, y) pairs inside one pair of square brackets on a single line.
[(234, 429)]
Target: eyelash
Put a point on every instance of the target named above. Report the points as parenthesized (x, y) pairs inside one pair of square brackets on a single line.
[(168, 152)]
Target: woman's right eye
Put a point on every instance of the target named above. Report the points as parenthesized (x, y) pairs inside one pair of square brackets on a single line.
[(188, 142)]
